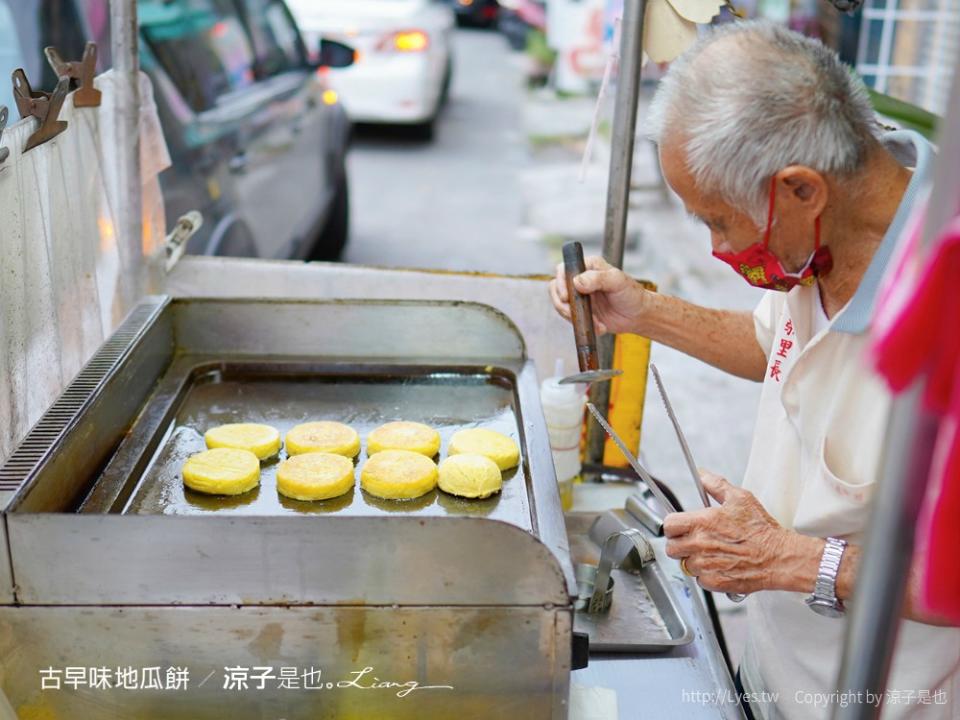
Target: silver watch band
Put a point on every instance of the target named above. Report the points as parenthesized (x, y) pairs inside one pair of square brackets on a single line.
[(825, 589)]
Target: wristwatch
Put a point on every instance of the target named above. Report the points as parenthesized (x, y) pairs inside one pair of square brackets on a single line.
[(824, 600)]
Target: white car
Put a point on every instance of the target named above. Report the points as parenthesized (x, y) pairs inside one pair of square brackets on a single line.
[(403, 62)]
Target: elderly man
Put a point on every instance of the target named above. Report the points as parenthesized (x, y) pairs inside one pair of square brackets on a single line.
[(773, 144)]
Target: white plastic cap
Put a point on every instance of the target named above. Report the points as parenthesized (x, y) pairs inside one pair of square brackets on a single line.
[(553, 393), (562, 404)]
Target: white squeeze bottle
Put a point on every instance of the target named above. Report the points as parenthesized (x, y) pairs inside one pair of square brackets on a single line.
[(563, 407)]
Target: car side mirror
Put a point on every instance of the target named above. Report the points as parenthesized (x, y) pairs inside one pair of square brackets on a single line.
[(335, 54)]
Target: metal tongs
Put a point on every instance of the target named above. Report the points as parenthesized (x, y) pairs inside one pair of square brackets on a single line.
[(647, 478), (688, 456)]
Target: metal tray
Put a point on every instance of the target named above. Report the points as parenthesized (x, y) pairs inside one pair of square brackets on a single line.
[(283, 394), (644, 616)]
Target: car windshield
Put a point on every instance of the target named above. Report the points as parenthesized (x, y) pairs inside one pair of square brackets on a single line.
[(202, 46)]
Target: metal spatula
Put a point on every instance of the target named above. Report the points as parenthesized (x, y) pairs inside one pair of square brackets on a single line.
[(581, 317)]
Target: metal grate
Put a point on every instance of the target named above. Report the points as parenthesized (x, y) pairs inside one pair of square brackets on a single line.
[(26, 458), (906, 50)]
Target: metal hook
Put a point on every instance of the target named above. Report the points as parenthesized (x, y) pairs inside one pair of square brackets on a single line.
[(82, 72), (45, 107), (4, 114)]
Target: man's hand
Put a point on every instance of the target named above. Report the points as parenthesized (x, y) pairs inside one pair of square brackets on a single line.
[(618, 301), (736, 547), (725, 339)]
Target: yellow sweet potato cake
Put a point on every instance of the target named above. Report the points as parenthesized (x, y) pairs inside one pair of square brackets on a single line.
[(470, 476), (412, 436), (324, 436), (315, 476), (262, 440), (398, 475), (222, 471), (480, 441)]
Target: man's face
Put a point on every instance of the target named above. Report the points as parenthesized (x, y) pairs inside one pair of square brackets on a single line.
[(732, 230)]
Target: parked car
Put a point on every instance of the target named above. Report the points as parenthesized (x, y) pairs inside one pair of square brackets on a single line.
[(403, 65), (258, 141), (478, 13)]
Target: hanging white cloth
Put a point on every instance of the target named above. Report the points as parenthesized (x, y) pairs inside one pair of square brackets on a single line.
[(63, 271)]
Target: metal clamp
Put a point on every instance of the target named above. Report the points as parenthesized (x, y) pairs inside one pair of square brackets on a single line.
[(82, 72), (45, 107), (4, 114), (176, 243), (617, 549)]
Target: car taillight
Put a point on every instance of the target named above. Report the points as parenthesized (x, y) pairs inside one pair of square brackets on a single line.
[(405, 41)]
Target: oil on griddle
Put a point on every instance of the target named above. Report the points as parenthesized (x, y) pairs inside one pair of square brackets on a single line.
[(447, 402)]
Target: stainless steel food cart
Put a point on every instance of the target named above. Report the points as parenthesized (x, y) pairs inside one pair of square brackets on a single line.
[(428, 608)]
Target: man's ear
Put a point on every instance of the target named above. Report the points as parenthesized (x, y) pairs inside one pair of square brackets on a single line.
[(805, 186), (802, 190)]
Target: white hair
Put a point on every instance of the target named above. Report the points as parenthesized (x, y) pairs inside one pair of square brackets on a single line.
[(750, 98)]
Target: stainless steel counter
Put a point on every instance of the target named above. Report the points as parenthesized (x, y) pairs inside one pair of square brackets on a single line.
[(688, 682)]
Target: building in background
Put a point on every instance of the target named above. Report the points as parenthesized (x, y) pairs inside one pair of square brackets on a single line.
[(901, 48), (907, 48)]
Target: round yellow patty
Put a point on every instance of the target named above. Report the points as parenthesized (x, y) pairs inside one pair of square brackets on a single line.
[(398, 475), (479, 441), (262, 440), (324, 436), (222, 471), (470, 476), (412, 436), (315, 476)]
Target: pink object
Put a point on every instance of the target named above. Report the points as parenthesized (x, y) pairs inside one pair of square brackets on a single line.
[(533, 14), (918, 334)]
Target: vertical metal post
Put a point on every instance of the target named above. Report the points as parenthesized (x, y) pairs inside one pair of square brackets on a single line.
[(618, 188), (881, 582), (889, 541), (129, 213)]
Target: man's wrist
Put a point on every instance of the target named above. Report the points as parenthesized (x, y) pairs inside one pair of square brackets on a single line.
[(651, 321), (799, 563)]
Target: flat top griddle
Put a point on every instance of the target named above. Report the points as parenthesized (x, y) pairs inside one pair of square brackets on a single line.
[(96, 513), (249, 392)]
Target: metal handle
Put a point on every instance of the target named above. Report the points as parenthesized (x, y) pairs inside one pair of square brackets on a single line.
[(581, 309)]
